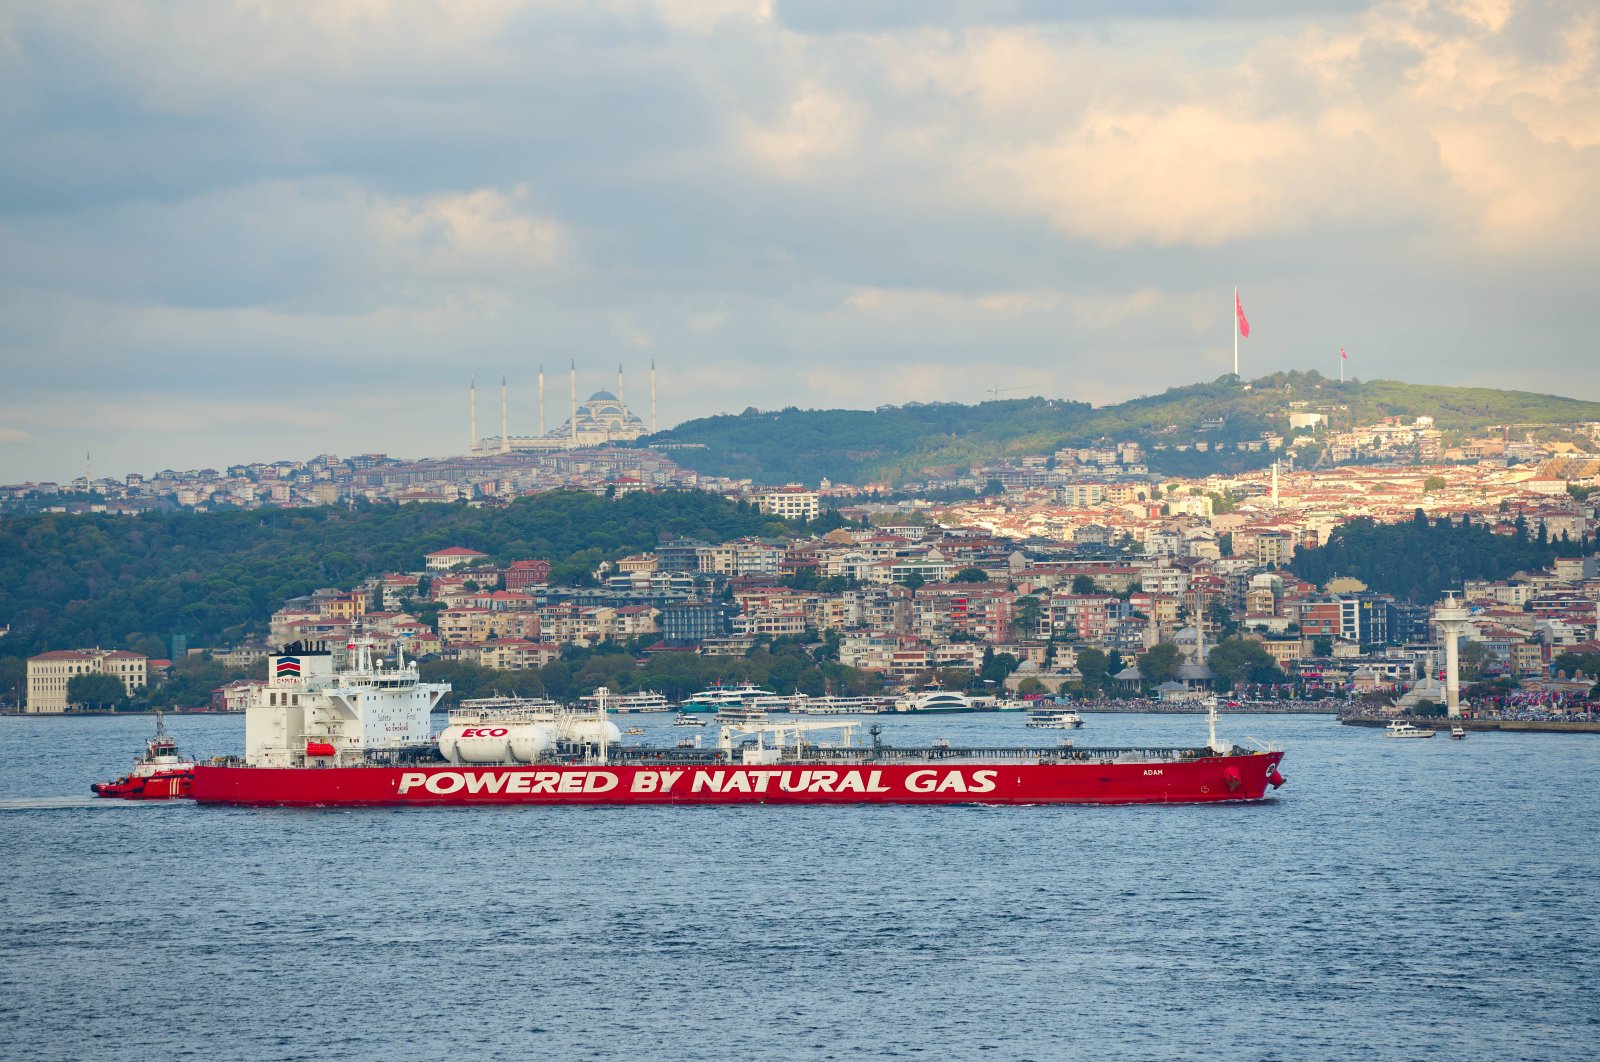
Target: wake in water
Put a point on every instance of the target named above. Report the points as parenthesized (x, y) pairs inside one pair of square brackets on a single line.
[(72, 802)]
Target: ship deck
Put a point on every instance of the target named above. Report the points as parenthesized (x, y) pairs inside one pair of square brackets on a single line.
[(810, 755)]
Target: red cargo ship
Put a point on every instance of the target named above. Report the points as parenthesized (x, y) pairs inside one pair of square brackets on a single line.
[(327, 737)]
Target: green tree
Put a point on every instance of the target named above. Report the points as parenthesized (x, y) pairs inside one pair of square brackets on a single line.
[(970, 575), (148, 645), (1030, 687), (1222, 618), (1322, 646), (1095, 668), (1025, 615), (1433, 483), (1084, 584), (1160, 663), (96, 691), (997, 667), (1474, 658), (1239, 660), (1570, 663), (13, 679)]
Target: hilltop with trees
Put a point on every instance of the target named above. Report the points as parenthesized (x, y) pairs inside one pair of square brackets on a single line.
[(1419, 559), (216, 578), (913, 441)]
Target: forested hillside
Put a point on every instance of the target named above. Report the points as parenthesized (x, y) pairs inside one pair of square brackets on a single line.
[(1420, 559), (68, 581), (898, 443), (849, 444)]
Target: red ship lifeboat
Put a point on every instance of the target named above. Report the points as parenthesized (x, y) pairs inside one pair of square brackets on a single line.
[(320, 748)]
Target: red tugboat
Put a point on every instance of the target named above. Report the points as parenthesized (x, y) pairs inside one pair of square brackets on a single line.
[(326, 736), (160, 774)]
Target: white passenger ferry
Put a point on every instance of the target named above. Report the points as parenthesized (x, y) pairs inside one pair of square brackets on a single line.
[(1053, 717)]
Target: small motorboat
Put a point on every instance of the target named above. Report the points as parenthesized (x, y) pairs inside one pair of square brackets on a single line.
[(634, 730), (1398, 729), (1457, 731), (162, 773), (688, 719)]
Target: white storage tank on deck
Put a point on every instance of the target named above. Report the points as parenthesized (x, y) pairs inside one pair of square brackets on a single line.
[(591, 730), (493, 742)]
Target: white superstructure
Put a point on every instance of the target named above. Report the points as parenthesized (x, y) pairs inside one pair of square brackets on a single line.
[(933, 699), (311, 712)]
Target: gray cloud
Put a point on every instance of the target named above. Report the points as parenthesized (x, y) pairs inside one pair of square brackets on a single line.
[(367, 204)]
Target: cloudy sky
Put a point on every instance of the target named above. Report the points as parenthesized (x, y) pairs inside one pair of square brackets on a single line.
[(251, 230)]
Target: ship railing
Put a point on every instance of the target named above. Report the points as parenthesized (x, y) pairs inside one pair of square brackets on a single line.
[(823, 755)]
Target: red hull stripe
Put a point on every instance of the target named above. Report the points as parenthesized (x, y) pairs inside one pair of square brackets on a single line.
[(1198, 781)]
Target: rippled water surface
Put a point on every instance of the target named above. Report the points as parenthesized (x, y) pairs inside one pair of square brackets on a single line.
[(1408, 900)]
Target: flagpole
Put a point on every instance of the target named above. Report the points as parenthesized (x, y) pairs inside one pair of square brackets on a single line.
[(1341, 366), (1233, 311)]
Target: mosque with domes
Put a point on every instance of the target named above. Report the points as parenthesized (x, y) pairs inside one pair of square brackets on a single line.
[(602, 419)]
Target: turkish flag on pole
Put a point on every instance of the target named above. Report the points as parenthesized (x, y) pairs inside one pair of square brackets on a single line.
[(1244, 323), (1342, 355)]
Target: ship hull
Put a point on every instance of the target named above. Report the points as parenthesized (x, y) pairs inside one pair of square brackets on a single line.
[(174, 786), (1208, 780)]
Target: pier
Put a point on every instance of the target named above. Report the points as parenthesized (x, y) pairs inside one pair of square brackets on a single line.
[(1524, 726)]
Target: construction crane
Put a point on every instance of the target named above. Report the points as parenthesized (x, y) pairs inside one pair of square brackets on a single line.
[(995, 392)]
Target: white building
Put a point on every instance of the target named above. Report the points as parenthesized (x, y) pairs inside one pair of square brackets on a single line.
[(792, 502)]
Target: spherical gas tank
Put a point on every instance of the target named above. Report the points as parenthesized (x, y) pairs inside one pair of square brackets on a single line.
[(493, 742), (590, 731)]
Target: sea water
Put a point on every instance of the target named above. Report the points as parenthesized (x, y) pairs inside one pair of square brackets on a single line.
[(1405, 900)]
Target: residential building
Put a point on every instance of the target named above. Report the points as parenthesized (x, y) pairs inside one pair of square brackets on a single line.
[(792, 502)]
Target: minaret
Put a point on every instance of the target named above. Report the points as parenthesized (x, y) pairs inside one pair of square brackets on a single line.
[(541, 400), (620, 402), (652, 396), (574, 401), (1274, 484), (473, 392), (505, 423)]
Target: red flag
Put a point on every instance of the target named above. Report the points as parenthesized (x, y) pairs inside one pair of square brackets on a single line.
[(1244, 324), (1342, 355)]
